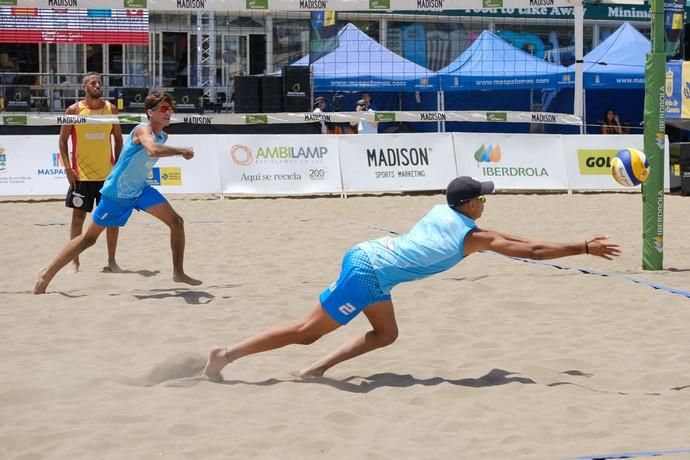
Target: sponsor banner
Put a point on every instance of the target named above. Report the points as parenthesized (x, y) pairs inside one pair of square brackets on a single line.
[(50, 119), (396, 162), (279, 165), (17, 98), (588, 159), (188, 100), (673, 88), (512, 161), (685, 91), (32, 166), (304, 5), (198, 175)]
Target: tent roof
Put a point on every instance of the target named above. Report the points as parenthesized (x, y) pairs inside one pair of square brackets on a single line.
[(493, 63), (360, 62), (618, 61)]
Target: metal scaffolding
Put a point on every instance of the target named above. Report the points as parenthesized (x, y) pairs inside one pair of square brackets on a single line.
[(206, 53)]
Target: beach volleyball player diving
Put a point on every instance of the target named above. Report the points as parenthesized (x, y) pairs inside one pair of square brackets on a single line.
[(126, 189), (370, 270)]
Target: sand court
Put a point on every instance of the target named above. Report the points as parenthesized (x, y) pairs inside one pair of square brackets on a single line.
[(496, 358)]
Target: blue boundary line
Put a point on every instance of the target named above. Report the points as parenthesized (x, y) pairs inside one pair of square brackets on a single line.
[(587, 271), (651, 453)]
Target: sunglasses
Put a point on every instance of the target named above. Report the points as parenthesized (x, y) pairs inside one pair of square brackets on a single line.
[(481, 198), (163, 109)]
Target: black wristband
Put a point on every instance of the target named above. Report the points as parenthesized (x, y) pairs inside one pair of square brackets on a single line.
[(586, 247)]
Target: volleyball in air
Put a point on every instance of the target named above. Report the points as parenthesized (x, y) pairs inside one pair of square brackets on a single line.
[(630, 167)]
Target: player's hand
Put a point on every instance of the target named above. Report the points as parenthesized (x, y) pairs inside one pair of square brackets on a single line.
[(598, 246), (188, 153), (71, 175)]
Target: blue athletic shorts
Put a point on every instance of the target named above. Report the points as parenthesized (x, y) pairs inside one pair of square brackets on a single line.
[(357, 287), (112, 212)]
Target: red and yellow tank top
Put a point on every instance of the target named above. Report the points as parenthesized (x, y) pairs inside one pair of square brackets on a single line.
[(92, 156)]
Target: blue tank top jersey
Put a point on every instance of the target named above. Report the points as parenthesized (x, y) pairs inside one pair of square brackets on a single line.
[(434, 245), (128, 178)]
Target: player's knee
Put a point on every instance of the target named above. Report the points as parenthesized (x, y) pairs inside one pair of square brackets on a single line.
[(177, 222), (88, 240), (387, 337), (307, 335)]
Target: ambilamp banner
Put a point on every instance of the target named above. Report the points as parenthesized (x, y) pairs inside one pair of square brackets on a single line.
[(279, 165)]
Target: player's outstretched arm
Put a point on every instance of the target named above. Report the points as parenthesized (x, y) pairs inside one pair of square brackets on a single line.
[(144, 136), (488, 240)]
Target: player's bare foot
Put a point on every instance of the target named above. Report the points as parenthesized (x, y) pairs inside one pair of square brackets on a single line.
[(217, 360), (75, 266), (41, 283), (308, 373), (112, 267), (182, 278)]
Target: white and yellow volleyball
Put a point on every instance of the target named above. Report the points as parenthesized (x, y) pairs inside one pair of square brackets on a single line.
[(630, 167)]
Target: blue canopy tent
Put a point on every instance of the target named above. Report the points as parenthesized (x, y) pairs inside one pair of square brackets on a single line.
[(360, 63), (517, 81), (614, 78), (492, 63), (618, 62)]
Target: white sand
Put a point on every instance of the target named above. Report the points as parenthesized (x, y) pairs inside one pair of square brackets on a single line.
[(495, 359)]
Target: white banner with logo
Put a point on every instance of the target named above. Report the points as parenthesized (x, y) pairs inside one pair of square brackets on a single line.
[(279, 164), (31, 165), (396, 162), (512, 161), (588, 159), (311, 164), (198, 175)]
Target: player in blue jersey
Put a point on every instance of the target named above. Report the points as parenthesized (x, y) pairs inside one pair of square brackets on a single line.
[(446, 235), (126, 189)]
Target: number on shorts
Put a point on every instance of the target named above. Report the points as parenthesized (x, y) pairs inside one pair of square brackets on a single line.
[(346, 309)]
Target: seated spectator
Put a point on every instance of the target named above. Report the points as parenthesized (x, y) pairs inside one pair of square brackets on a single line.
[(611, 125)]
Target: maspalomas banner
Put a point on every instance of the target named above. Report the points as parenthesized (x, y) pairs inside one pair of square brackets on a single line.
[(384, 163), (32, 166), (279, 165), (512, 161)]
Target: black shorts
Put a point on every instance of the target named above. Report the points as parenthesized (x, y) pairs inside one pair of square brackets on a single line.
[(82, 194)]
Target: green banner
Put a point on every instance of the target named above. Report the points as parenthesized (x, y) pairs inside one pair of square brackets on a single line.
[(602, 11), (654, 130)]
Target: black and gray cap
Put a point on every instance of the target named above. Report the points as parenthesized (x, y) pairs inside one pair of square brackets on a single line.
[(465, 188)]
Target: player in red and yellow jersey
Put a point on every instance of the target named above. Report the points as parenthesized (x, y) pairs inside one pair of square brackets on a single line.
[(95, 149)]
